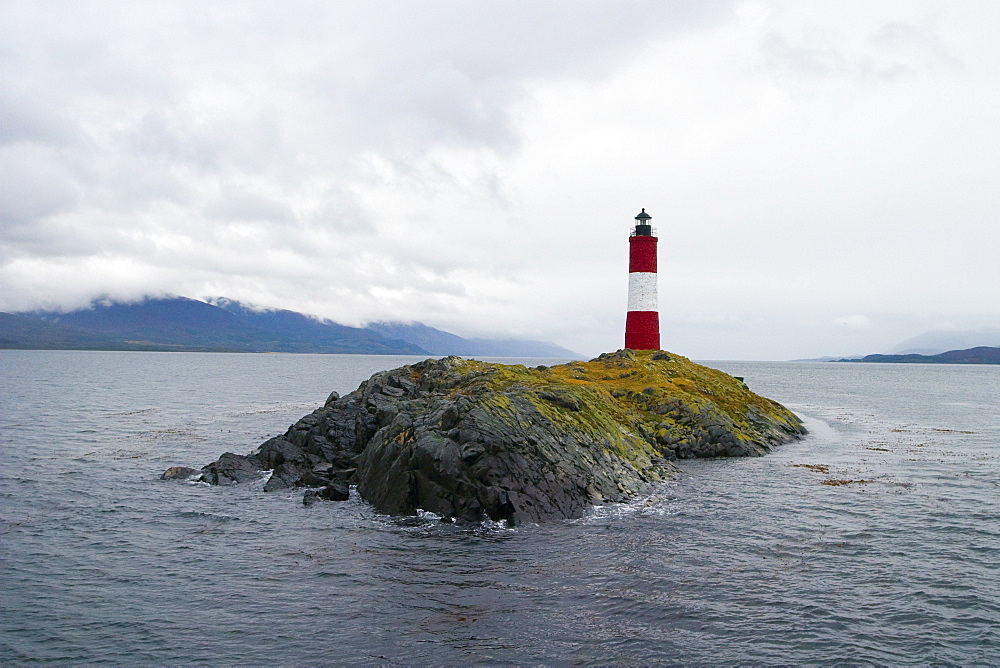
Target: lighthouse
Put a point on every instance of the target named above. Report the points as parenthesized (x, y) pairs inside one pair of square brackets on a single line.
[(642, 324)]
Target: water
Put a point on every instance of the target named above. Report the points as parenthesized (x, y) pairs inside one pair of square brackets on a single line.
[(874, 540)]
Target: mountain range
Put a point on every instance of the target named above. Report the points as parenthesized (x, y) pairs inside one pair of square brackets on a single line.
[(225, 325)]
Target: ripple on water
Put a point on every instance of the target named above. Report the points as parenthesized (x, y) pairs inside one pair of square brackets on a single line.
[(736, 561)]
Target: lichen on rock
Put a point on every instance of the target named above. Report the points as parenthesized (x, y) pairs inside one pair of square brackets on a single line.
[(472, 440)]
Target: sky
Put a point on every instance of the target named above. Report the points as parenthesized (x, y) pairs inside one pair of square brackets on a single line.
[(824, 177)]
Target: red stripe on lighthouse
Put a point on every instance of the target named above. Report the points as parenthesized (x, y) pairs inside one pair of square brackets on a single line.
[(642, 253), (642, 330)]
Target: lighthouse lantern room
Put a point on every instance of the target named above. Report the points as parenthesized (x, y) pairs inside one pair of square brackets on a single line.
[(642, 323)]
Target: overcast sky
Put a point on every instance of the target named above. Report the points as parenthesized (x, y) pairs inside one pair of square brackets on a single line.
[(824, 176)]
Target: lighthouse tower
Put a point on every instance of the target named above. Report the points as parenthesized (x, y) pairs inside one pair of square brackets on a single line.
[(642, 324)]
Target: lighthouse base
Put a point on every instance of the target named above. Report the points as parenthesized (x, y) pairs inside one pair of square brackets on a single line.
[(642, 330)]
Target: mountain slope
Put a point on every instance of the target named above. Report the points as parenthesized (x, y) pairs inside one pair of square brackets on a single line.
[(225, 325), (21, 332), (171, 321), (438, 342), (179, 323), (940, 341), (308, 334)]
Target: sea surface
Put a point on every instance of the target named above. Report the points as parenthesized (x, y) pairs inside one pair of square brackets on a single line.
[(876, 539)]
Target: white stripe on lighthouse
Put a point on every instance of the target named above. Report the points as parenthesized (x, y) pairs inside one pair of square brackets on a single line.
[(642, 291)]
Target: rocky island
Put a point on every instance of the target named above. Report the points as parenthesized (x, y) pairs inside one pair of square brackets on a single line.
[(471, 440)]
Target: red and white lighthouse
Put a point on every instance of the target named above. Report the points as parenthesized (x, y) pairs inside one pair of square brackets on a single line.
[(642, 324)]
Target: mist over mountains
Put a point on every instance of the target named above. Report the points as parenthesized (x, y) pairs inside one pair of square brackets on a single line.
[(936, 342), (225, 325), (438, 342)]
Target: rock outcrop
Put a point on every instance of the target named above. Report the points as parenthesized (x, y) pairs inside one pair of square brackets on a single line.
[(472, 440), (178, 473)]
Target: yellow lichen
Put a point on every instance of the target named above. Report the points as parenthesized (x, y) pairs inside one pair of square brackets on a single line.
[(641, 397)]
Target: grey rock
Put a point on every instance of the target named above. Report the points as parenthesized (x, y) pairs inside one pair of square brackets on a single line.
[(230, 469), (335, 491), (178, 473), (285, 475), (276, 451)]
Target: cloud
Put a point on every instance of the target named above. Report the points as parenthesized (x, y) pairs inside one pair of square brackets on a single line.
[(34, 186), (477, 165), (27, 116), (887, 49), (239, 204), (853, 322)]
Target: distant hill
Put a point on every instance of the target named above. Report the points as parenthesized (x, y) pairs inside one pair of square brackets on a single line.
[(438, 342), (978, 355), (225, 325), (22, 332), (308, 334), (939, 341), (179, 323)]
